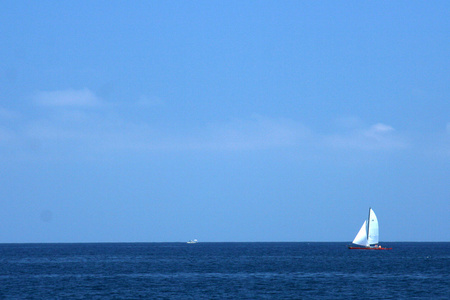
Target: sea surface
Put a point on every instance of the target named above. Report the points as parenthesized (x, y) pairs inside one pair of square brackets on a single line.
[(223, 271)]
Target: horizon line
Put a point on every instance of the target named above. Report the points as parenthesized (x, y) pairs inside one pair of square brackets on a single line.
[(210, 242)]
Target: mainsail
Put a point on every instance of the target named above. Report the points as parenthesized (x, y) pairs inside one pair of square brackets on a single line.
[(372, 230)]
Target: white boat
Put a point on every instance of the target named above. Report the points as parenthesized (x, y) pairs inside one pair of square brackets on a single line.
[(193, 241), (368, 236)]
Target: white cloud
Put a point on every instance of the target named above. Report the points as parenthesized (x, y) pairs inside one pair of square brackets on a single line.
[(73, 130), (245, 134), (67, 98), (255, 133), (377, 137), (379, 129)]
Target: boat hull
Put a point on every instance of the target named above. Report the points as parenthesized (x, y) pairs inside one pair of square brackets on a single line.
[(368, 248)]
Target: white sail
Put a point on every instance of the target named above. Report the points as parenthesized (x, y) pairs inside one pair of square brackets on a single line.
[(361, 237), (372, 232)]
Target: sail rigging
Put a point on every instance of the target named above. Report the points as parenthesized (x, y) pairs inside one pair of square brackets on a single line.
[(368, 237), (368, 234)]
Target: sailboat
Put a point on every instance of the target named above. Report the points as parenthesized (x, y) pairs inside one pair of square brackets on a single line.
[(367, 237)]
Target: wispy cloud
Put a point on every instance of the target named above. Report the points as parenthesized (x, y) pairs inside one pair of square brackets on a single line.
[(64, 124), (67, 98), (257, 132), (377, 137)]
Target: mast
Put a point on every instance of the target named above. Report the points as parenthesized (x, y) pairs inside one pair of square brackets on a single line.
[(368, 224)]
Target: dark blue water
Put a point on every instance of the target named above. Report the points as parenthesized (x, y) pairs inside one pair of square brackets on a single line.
[(223, 271)]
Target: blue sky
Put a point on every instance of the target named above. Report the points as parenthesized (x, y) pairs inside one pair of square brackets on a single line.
[(155, 121)]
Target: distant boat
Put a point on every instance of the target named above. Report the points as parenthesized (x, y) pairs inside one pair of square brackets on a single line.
[(193, 241), (367, 237)]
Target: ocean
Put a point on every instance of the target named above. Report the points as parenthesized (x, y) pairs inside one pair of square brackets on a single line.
[(223, 271)]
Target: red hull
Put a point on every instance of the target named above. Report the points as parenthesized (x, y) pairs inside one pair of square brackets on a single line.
[(368, 248)]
